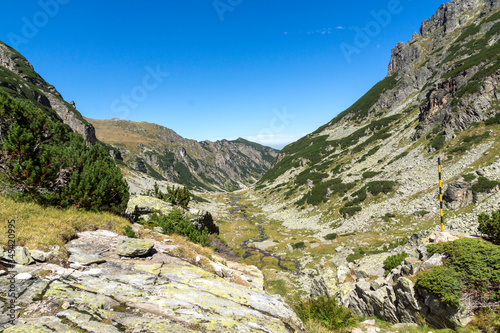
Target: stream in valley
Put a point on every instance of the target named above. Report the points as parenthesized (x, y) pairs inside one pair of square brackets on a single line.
[(248, 249)]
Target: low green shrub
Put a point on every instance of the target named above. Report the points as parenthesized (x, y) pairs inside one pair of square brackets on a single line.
[(349, 211), (127, 231), (471, 271), (331, 236), (493, 121), (484, 185), (438, 141), (177, 196), (444, 282), (385, 186), (394, 261), (177, 223), (490, 225), (359, 252), (388, 216), (327, 311), (422, 212), (469, 177), (298, 245), (370, 174)]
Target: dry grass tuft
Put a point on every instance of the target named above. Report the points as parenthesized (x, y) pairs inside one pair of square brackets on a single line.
[(39, 227)]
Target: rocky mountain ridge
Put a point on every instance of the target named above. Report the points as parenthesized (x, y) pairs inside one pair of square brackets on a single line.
[(164, 155), (374, 166), (19, 79)]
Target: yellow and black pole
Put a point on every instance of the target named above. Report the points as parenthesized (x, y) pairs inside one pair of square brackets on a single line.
[(441, 194)]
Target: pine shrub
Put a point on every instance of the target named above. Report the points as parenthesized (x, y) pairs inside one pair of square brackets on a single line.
[(490, 225), (43, 160), (394, 261), (331, 236), (471, 271), (177, 223), (177, 196), (484, 185), (298, 245)]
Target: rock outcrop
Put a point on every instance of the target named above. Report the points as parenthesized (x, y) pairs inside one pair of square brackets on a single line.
[(140, 206), (458, 195), (393, 297), (158, 293)]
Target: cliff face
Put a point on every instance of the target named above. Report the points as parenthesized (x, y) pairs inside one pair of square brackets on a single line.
[(372, 168), (19, 79), (164, 155), (452, 64)]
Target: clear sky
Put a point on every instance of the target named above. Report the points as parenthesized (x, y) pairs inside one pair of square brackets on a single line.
[(268, 71)]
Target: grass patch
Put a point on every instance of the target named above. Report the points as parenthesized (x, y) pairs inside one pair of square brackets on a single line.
[(276, 287), (326, 311), (39, 227)]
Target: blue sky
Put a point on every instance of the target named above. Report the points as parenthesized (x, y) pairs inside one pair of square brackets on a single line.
[(269, 71)]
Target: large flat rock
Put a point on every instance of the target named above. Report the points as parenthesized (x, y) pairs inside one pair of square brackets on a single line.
[(160, 294)]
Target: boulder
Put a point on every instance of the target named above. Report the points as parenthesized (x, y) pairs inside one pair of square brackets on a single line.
[(39, 256), (434, 261), (22, 256), (442, 237), (342, 272), (458, 195), (420, 237), (167, 295), (203, 220), (23, 276), (378, 283), (134, 248), (370, 266), (440, 315), (142, 205), (325, 284), (86, 259)]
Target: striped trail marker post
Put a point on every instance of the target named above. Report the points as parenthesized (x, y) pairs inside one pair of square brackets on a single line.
[(441, 195)]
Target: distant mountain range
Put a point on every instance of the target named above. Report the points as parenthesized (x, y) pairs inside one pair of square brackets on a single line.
[(162, 154), (146, 152)]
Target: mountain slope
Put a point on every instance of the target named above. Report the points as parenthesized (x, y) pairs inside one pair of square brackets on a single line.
[(373, 168), (19, 80), (164, 155)]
